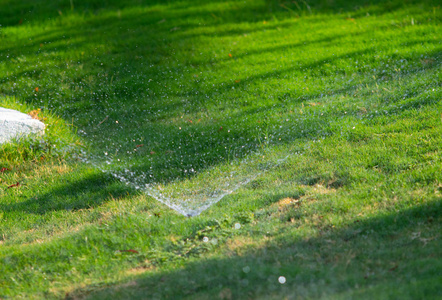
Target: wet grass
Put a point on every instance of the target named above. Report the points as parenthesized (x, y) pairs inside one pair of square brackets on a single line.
[(348, 91)]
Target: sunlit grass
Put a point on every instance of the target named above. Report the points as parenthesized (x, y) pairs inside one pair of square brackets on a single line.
[(327, 115)]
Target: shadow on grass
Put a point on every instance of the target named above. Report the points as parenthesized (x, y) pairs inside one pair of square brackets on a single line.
[(88, 192), (14, 13), (391, 256)]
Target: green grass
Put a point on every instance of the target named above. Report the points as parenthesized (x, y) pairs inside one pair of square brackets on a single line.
[(348, 91)]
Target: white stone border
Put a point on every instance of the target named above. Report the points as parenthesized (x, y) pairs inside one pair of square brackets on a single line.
[(15, 124)]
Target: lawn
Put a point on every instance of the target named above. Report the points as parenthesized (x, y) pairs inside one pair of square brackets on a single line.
[(319, 122)]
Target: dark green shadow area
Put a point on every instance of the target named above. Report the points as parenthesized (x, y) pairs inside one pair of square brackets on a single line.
[(70, 194), (28, 11), (15, 14), (361, 261)]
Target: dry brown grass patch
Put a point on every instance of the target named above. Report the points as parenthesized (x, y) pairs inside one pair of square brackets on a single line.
[(284, 203), (238, 245), (140, 270), (322, 190)]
